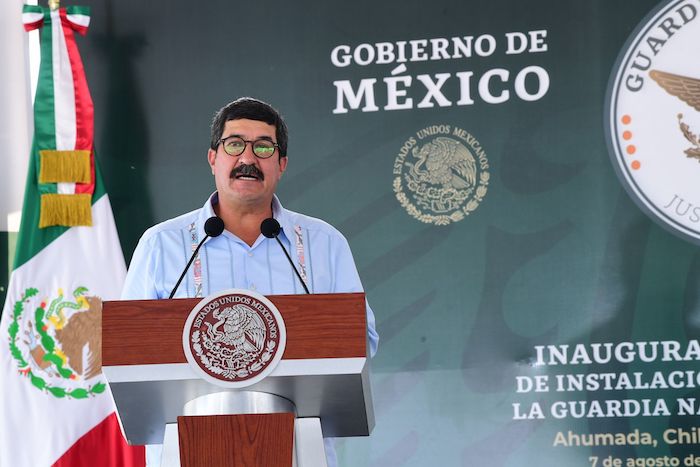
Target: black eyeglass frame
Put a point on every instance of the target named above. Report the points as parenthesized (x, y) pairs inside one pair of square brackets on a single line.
[(246, 141)]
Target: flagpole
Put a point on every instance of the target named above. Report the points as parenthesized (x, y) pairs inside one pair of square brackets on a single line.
[(54, 4)]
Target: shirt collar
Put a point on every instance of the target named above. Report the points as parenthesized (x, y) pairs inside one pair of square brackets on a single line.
[(283, 217), (208, 210), (278, 212)]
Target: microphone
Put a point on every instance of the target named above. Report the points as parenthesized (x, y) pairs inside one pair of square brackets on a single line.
[(212, 228), (271, 229)]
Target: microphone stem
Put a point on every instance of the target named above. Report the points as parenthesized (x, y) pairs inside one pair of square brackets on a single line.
[(292, 263), (182, 276)]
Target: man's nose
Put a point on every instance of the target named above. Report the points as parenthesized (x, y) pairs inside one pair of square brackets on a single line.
[(247, 156)]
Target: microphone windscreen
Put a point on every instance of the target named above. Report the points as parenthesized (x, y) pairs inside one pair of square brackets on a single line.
[(214, 226), (270, 227)]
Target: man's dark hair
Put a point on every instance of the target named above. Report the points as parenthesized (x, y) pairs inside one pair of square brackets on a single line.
[(251, 109)]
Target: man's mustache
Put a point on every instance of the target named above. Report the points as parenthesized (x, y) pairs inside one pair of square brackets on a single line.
[(247, 170)]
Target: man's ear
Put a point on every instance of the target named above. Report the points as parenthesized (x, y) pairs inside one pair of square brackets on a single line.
[(211, 157), (283, 165)]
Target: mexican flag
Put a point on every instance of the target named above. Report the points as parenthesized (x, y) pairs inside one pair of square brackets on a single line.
[(55, 407)]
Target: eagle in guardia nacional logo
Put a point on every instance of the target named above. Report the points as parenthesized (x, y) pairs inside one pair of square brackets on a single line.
[(56, 342), (686, 89), (653, 115), (234, 338)]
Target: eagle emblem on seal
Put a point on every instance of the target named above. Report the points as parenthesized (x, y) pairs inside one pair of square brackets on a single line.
[(238, 326), (444, 162), (443, 175), (56, 342), (686, 89)]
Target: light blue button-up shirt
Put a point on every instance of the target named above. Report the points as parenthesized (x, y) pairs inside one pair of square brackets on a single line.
[(224, 262)]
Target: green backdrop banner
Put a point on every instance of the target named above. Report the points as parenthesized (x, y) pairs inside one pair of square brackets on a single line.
[(523, 219)]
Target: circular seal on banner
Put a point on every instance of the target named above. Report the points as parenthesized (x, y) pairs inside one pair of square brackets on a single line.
[(441, 174), (234, 338), (653, 117)]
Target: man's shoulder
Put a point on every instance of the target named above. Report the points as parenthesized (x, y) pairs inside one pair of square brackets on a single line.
[(175, 225), (312, 224)]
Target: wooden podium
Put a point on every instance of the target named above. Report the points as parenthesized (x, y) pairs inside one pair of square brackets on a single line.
[(321, 383)]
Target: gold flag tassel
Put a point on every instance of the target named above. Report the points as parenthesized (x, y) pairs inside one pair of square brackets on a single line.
[(65, 167), (65, 210)]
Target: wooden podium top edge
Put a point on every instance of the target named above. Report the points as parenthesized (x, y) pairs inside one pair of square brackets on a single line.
[(141, 332)]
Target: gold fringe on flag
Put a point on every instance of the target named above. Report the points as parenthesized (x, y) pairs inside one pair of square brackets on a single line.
[(65, 210), (64, 166)]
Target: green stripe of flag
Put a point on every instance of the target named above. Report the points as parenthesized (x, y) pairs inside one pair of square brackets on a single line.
[(44, 114), (78, 10)]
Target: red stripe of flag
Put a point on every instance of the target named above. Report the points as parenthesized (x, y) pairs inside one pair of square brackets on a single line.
[(34, 25), (84, 109), (103, 446)]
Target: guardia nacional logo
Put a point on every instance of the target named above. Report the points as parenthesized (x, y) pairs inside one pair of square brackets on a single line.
[(653, 117), (56, 342), (441, 174)]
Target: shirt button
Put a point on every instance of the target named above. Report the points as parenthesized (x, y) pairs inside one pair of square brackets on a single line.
[(252, 286), (250, 254)]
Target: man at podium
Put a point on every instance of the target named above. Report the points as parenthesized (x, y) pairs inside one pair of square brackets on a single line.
[(247, 157)]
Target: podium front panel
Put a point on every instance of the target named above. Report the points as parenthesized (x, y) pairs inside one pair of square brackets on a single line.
[(324, 370)]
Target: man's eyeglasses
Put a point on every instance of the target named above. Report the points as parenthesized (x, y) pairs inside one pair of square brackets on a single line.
[(235, 145)]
